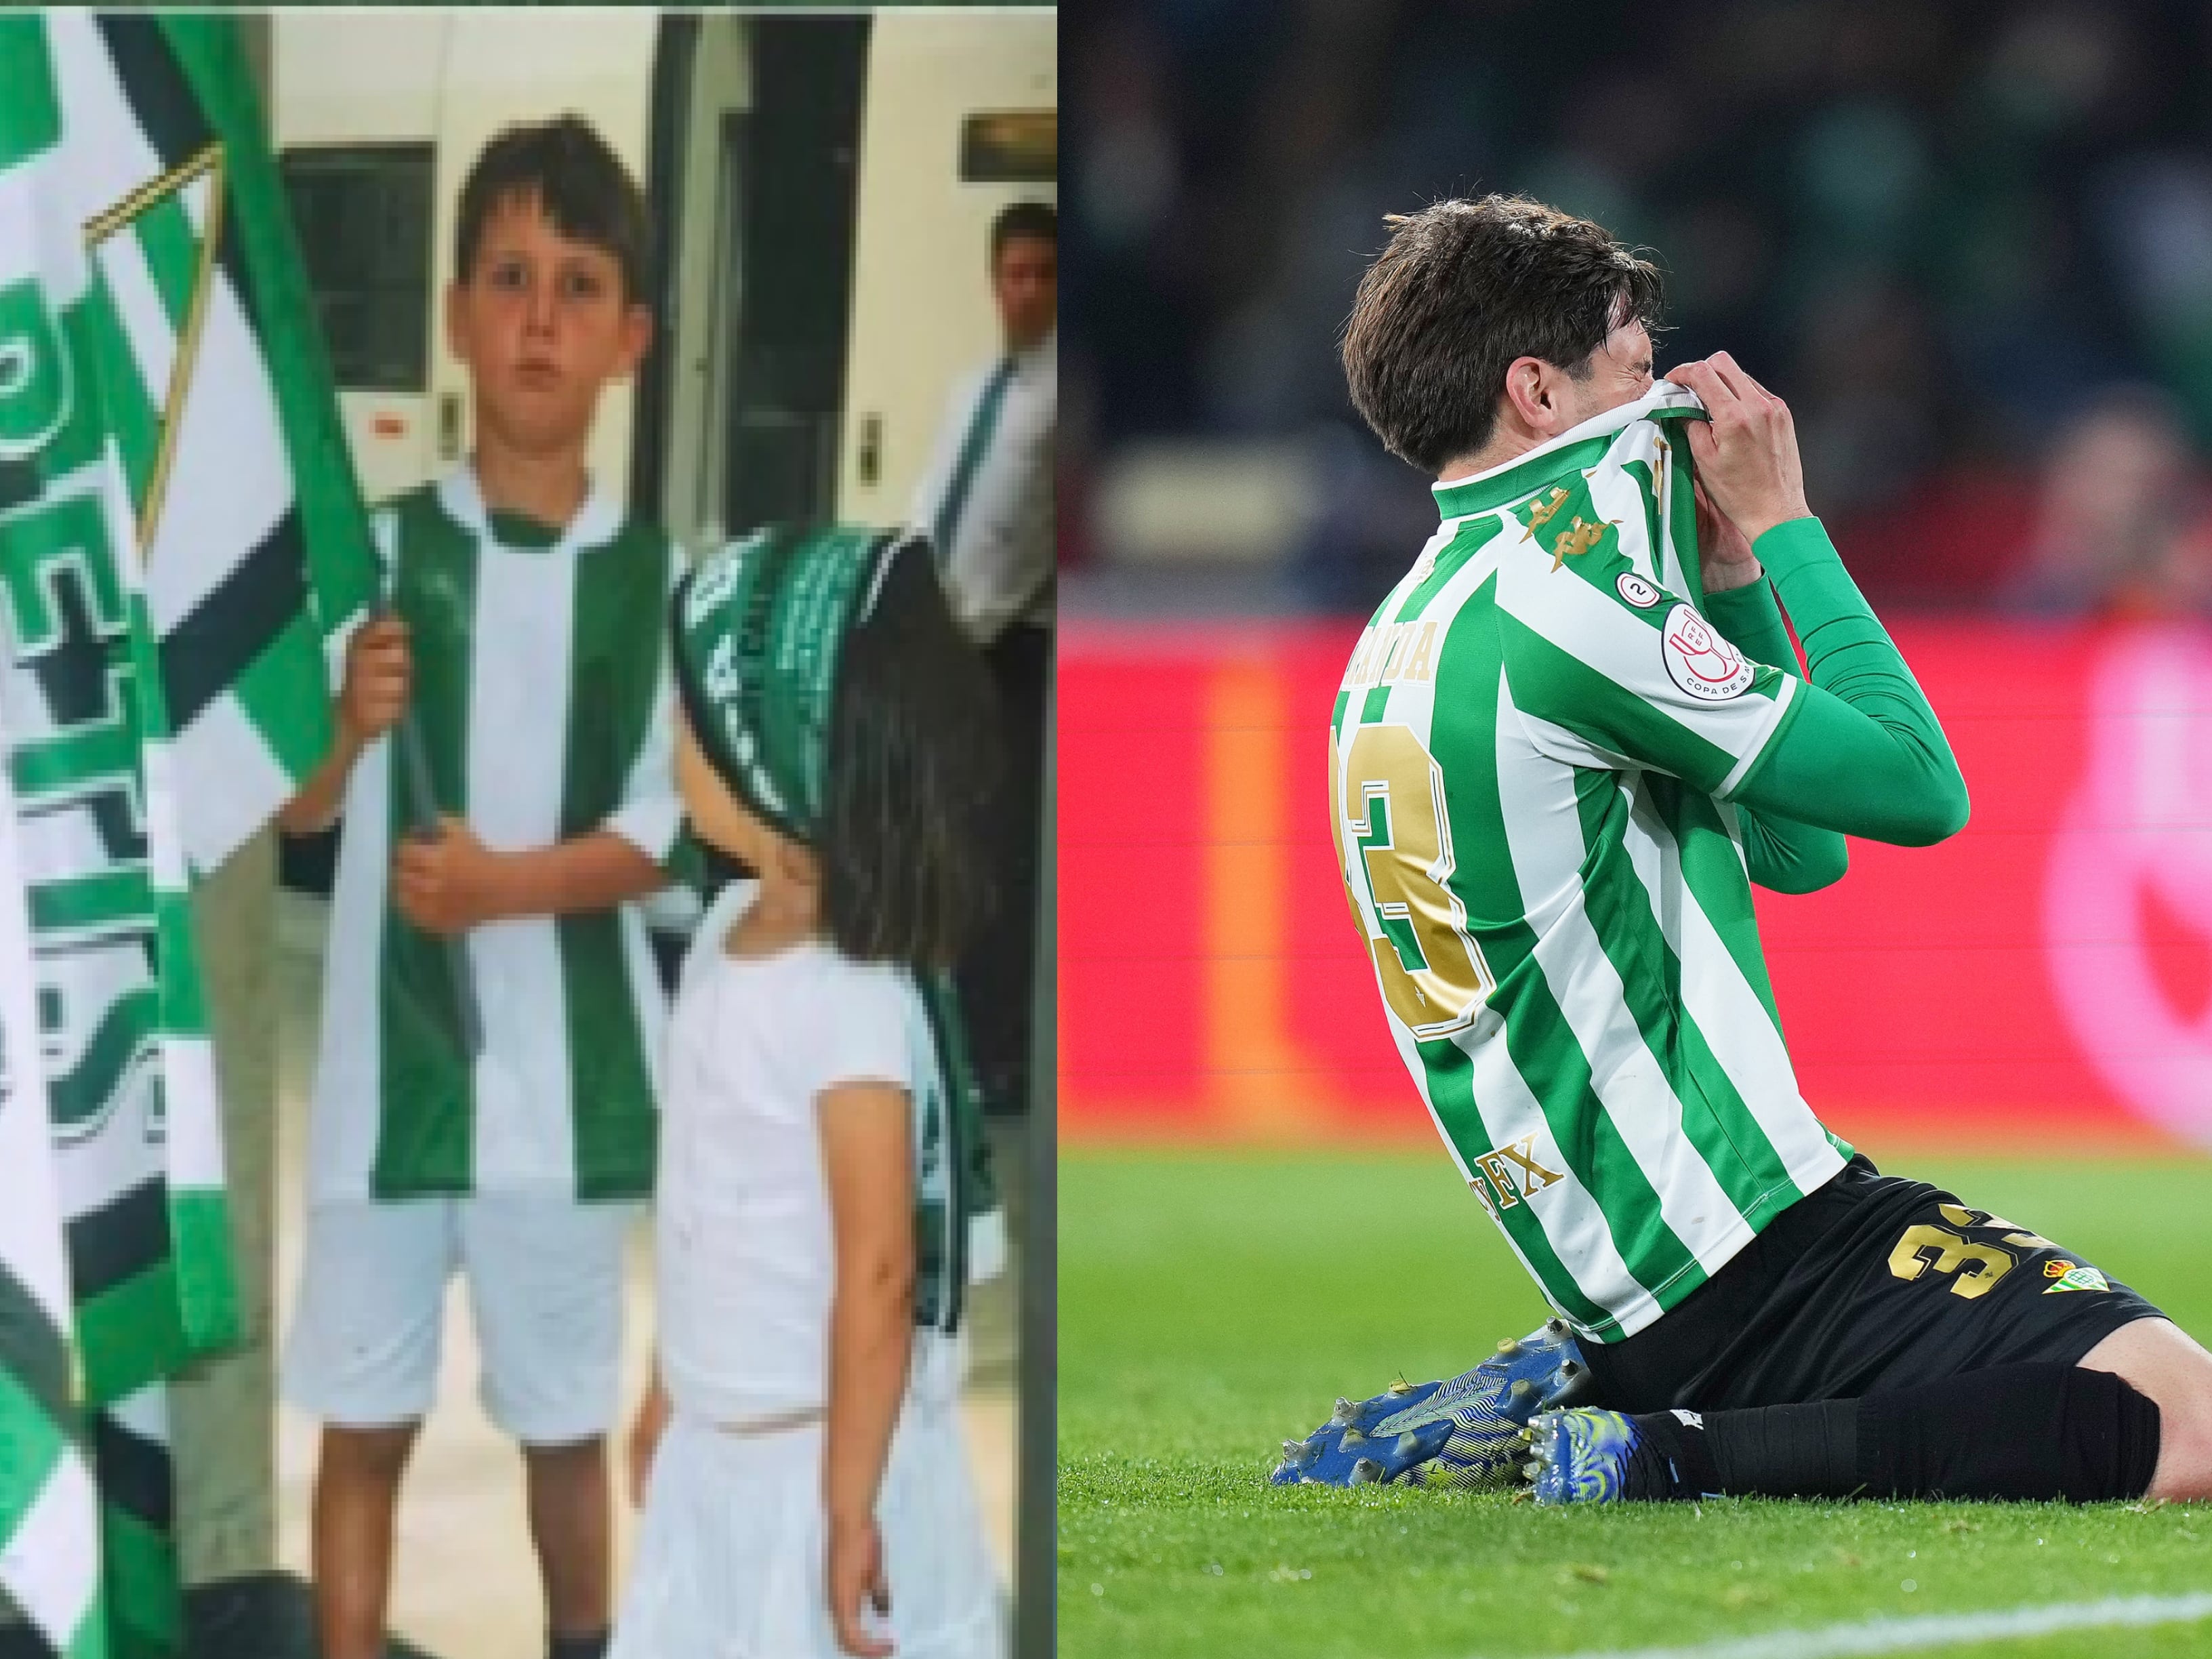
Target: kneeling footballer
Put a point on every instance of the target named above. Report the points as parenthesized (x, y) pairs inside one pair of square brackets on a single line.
[(1569, 742)]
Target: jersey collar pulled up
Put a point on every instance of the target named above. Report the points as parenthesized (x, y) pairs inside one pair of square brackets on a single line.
[(1509, 480)]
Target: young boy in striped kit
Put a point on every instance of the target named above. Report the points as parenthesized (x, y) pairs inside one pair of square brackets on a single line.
[(483, 1099), (1573, 737)]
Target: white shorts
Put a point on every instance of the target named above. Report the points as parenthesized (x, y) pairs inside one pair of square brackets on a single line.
[(545, 1287), (730, 1561)]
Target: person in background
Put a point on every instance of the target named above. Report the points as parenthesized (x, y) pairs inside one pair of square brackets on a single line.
[(2112, 537), (986, 504)]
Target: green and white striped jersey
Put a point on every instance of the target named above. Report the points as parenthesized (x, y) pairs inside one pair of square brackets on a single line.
[(545, 699), (1532, 756)]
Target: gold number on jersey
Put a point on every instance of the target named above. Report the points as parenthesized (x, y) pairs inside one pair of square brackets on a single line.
[(1405, 856), (1974, 1268)]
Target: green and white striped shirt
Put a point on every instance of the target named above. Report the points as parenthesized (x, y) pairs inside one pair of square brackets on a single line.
[(545, 699), (1532, 758)]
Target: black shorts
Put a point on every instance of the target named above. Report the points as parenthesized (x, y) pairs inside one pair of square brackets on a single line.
[(1868, 1284)]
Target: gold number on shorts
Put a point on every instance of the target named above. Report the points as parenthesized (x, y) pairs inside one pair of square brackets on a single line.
[(1959, 1216), (1405, 856), (1974, 1268)]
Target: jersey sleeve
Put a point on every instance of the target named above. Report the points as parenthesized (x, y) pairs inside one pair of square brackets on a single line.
[(1781, 854), (651, 812), (1866, 754), (854, 1029), (1608, 669)]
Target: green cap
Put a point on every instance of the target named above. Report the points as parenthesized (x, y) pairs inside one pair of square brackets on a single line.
[(760, 630)]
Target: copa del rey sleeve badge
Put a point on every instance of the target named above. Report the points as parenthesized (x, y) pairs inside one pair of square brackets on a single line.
[(1700, 661)]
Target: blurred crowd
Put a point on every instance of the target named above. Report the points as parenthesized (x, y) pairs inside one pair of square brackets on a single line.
[(1970, 242)]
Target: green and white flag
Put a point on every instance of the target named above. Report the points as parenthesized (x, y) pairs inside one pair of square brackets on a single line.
[(180, 535), (50, 1551)]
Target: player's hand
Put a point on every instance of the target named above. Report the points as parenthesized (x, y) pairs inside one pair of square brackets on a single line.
[(645, 1440), (1724, 557), (378, 673), (1746, 453), (857, 1582), (447, 884)]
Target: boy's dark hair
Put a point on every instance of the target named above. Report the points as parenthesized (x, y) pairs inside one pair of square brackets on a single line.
[(580, 184), (914, 758), (1038, 220), (1463, 289)]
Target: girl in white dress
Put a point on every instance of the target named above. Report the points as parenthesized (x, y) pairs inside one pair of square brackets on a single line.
[(806, 1491)]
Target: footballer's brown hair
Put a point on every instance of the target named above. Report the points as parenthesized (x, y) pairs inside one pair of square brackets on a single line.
[(578, 182), (1463, 289)]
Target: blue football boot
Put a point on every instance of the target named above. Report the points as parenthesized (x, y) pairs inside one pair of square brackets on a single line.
[(1466, 1433), (1582, 1456)]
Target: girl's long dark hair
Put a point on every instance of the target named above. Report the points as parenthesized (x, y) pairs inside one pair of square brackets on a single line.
[(913, 759)]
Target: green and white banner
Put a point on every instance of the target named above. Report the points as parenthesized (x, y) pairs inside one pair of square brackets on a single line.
[(49, 1520), (180, 537)]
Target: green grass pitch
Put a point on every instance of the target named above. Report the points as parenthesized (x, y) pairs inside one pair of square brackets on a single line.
[(1211, 1303)]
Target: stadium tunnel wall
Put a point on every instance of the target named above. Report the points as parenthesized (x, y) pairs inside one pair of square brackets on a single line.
[(2042, 982)]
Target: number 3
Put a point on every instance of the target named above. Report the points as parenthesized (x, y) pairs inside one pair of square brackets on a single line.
[(1975, 1268), (1404, 855)]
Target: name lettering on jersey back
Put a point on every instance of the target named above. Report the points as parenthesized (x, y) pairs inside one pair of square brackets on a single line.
[(1512, 1173), (1393, 653)]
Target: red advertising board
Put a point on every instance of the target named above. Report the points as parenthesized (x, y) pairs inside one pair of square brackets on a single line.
[(2045, 978)]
